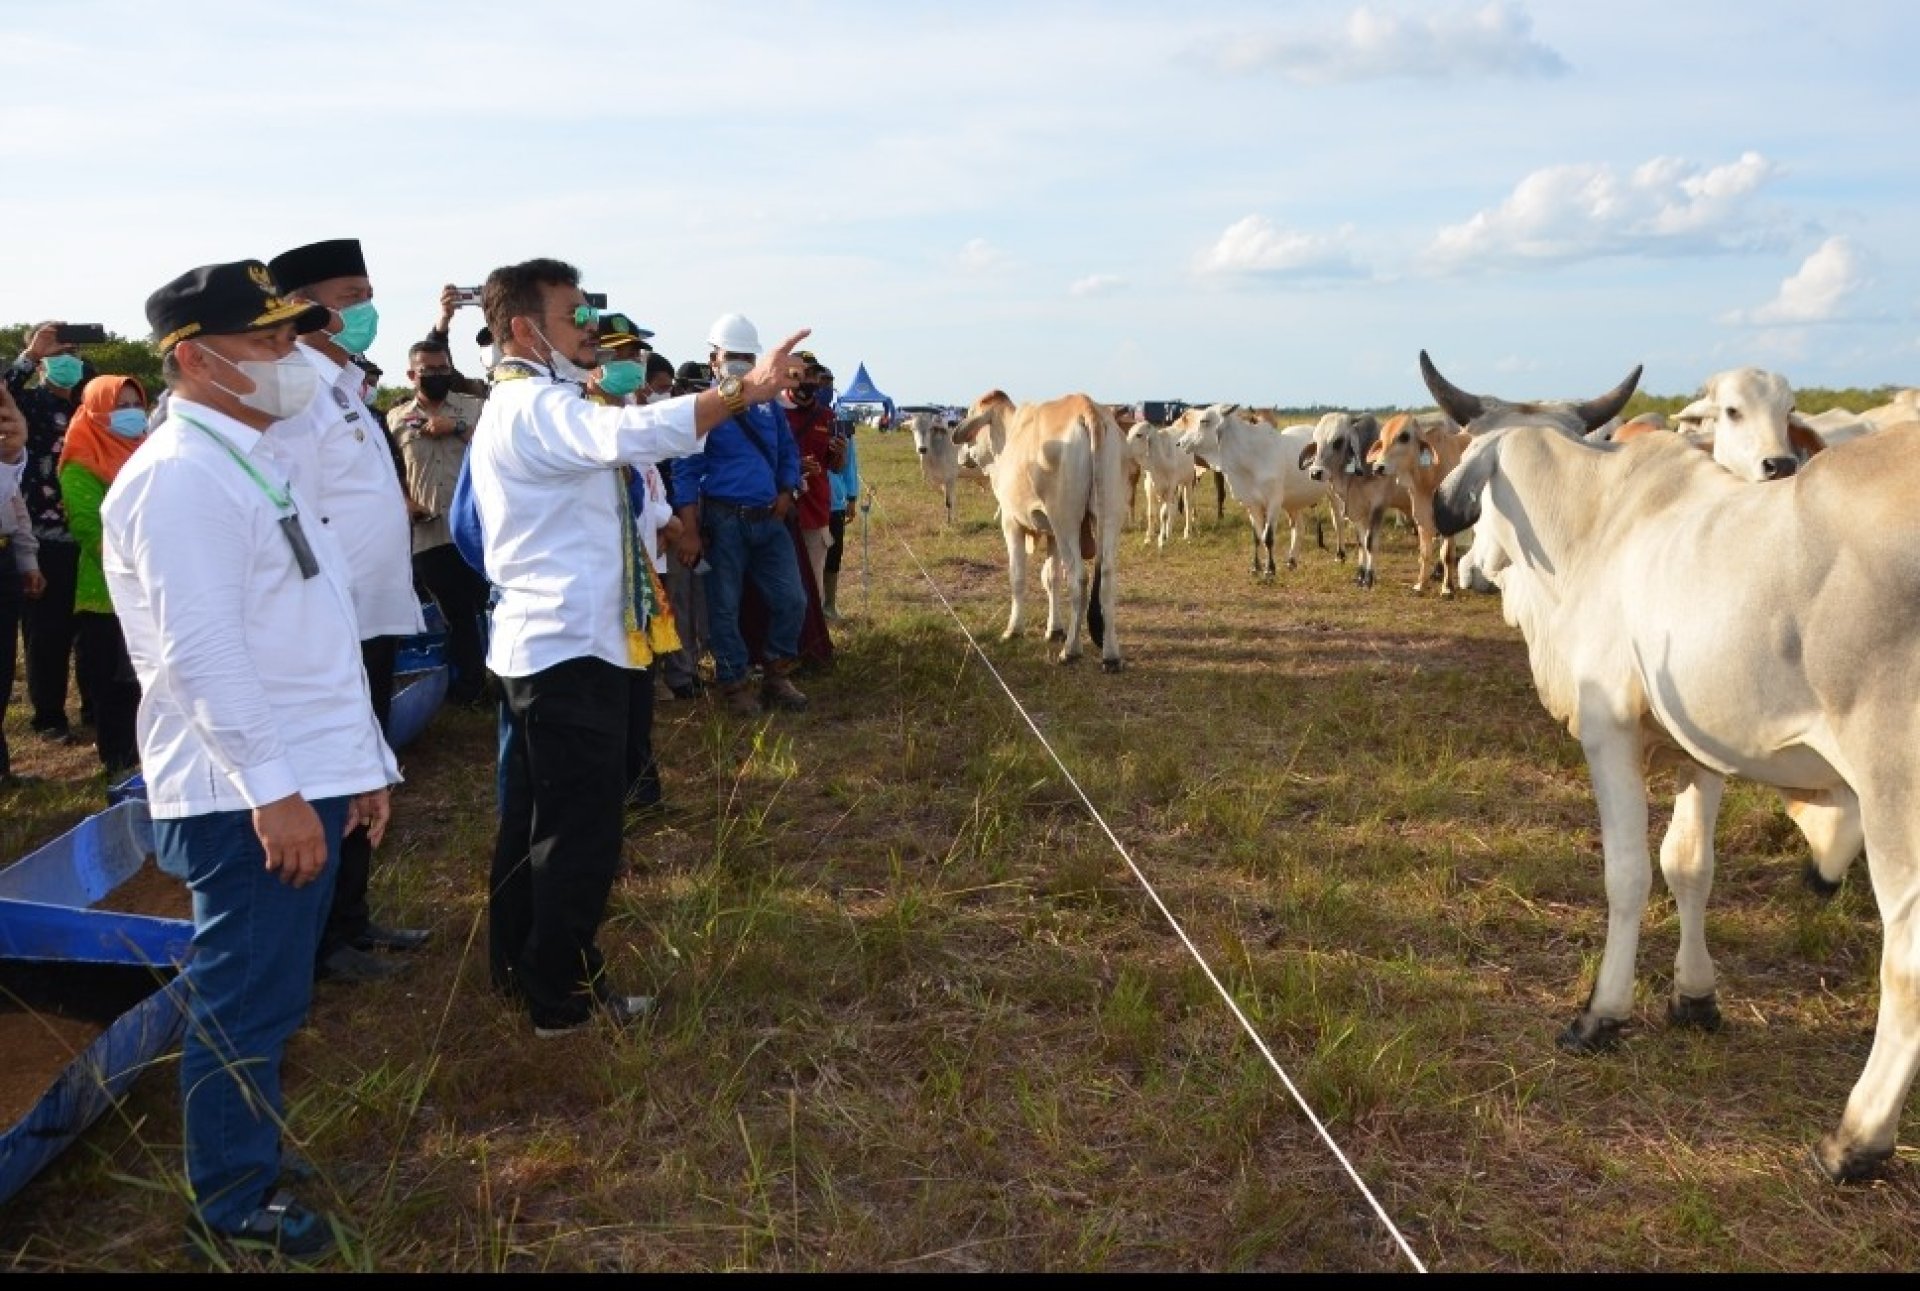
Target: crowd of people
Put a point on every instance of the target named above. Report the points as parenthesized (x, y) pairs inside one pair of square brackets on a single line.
[(231, 563)]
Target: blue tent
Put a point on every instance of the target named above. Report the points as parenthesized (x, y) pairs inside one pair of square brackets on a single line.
[(865, 393)]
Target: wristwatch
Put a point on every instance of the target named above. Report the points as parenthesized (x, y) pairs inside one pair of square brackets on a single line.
[(733, 394)]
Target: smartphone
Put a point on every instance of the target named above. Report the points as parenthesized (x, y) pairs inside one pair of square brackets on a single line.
[(80, 334), (597, 299), (466, 295)]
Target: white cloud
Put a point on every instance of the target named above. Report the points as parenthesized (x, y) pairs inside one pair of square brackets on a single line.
[(1253, 246), (1096, 284), (1493, 40), (979, 256), (1816, 292), (1577, 212), (1516, 363)]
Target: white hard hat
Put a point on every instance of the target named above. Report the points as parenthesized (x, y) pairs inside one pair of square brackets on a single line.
[(733, 334)]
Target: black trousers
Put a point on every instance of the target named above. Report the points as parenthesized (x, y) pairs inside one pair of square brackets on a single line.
[(349, 915), (46, 623), (837, 527), (106, 673), (563, 780), (643, 773), (462, 596), (10, 600)]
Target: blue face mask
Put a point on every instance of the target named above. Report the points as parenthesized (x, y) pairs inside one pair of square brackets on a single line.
[(128, 423), (62, 370), (621, 377), (358, 326)]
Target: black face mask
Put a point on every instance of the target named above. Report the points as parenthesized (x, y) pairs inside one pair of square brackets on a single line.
[(803, 395), (435, 386)]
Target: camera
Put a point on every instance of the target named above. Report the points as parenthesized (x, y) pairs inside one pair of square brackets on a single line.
[(80, 334), (466, 296), (597, 299)]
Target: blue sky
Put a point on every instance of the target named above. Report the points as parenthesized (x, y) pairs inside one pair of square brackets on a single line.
[(1275, 204)]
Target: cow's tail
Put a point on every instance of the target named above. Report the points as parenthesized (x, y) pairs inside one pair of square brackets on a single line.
[(1096, 621)]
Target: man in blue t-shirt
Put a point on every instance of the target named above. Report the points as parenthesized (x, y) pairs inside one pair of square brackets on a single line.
[(733, 499)]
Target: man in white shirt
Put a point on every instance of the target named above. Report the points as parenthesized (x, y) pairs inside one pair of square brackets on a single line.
[(346, 465), (547, 470), (258, 740)]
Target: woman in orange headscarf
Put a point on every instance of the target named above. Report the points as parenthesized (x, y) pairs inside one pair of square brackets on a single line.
[(110, 423)]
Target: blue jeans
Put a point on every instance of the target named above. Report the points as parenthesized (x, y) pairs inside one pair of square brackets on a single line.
[(246, 988), (738, 548)]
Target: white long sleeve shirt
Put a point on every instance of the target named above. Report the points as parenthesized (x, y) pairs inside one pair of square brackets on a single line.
[(250, 675), (543, 470), (341, 460)]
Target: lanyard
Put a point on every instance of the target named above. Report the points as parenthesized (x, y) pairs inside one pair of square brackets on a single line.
[(282, 500)]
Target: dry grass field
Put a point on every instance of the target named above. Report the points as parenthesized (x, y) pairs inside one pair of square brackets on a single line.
[(920, 1015)]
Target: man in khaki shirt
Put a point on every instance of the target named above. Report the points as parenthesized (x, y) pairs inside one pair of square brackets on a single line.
[(431, 431)]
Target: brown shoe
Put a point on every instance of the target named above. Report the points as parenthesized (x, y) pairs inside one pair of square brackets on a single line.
[(738, 698), (777, 691)]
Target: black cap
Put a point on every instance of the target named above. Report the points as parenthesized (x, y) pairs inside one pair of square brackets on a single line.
[(224, 299), (317, 262), (618, 332), (694, 375)]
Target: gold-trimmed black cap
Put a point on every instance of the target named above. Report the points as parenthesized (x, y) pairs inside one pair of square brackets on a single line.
[(317, 262), (619, 332), (222, 299)]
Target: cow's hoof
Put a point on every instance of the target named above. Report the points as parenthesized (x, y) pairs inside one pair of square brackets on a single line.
[(1843, 1164), (1446, 593), (1109, 665), (1292, 563), (1340, 556), (1702, 1012), (1589, 1034), (1057, 635), (1066, 660), (1817, 883)]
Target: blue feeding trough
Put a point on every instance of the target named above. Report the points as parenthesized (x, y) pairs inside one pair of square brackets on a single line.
[(61, 958)]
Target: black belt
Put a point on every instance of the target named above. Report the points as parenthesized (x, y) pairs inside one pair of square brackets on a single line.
[(718, 506)]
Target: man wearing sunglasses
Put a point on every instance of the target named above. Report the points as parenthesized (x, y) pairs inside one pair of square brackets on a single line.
[(548, 475)]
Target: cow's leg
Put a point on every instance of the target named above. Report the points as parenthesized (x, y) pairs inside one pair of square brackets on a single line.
[(1424, 536), (1255, 519), (1146, 478), (1219, 496), (1686, 862), (1339, 510), (1051, 579), (1830, 822), (1613, 754), (1449, 578), (1293, 540), (1073, 589), (1369, 541), (1266, 540), (1106, 586), (1167, 500), (1017, 576), (1186, 512), (1888, 814)]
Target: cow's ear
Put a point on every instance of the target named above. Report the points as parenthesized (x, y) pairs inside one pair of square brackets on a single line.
[(966, 430), (1698, 410), (1306, 455), (1806, 441), (1228, 409)]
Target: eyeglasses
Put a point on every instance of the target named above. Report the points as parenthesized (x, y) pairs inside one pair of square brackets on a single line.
[(585, 316)]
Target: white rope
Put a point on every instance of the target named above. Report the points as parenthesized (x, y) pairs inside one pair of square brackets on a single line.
[(1245, 1024)]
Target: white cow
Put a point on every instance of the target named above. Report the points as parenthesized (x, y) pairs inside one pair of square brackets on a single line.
[(1262, 467), (1747, 417), (1058, 470), (1166, 471), (940, 460), (1651, 626), (1482, 414)]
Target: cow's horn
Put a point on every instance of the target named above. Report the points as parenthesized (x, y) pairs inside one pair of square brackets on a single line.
[(1454, 401), (1598, 412), (967, 429)]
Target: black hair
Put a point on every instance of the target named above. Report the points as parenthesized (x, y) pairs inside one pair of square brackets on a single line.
[(516, 291), (428, 346), (658, 365)]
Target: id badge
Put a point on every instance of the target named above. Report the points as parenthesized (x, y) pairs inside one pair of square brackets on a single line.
[(297, 539)]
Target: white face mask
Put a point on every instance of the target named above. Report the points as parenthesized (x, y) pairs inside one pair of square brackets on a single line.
[(562, 367), (736, 367), (281, 387)]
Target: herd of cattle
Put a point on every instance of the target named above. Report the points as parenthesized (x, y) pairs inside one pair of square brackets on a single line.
[(1732, 591)]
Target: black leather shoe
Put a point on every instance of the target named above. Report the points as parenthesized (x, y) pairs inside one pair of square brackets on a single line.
[(351, 964), (377, 937)]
